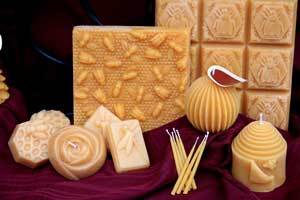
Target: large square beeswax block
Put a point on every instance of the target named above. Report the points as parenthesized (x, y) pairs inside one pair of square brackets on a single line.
[(127, 146), (100, 121), (179, 13), (136, 72)]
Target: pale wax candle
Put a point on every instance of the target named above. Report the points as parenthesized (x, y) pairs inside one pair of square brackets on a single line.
[(76, 152), (259, 157)]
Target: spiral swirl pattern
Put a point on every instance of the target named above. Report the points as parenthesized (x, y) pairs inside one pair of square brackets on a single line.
[(210, 107), (76, 153), (259, 141)]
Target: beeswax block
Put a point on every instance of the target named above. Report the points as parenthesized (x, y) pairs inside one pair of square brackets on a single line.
[(100, 121), (259, 157), (29, 141), (179, 13), (136, 72), (127, 146), (255, 39), (195, 62)]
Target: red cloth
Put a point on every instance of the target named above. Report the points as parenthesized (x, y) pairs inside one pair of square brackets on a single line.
[(213, 178)]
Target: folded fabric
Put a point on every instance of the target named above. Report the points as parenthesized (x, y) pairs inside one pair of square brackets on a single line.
[(214, 179)]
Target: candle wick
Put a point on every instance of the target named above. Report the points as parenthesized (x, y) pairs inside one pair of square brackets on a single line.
[(261, 118), (75, 146)]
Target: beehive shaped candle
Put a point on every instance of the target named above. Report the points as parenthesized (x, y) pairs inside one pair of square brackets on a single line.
[(259, 154), (210, 107), (3, 88)]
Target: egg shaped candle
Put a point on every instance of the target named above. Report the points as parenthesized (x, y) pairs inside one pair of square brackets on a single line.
[(259, 156), (212, 103)]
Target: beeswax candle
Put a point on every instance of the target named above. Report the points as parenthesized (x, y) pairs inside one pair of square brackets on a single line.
[(4, 94), (210, 107), (259, 156), (76, 153)]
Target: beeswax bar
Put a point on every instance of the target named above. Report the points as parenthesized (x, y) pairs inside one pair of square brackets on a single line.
[(127, 146), (100, 121), (136, 72)]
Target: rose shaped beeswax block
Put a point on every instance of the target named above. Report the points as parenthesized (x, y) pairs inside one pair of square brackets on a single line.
[(259, 155), (210, 107), (76, 152)]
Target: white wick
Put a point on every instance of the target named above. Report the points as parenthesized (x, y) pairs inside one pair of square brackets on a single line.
[(261, 118), (75, 146)]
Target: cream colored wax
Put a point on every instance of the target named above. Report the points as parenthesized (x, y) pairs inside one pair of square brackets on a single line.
[(259, 156), (127, 146), (76, 152)]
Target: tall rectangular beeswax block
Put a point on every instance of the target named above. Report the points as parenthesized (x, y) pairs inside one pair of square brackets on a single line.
[(136, 72), (127, 146), (253, 38)]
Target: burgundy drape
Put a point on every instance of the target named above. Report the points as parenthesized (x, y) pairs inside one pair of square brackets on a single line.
[(47, 85)]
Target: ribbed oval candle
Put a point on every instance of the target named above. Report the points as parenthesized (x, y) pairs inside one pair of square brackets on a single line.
[(76, 152), (210, 107), (259, 156)]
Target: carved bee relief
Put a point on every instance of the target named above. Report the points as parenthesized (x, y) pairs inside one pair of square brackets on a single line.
[(272, 22), (273, 108), (224, 21)]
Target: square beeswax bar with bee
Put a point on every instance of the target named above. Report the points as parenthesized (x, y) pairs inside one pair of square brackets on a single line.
[(127, 146), (254, 39), (136, 72)]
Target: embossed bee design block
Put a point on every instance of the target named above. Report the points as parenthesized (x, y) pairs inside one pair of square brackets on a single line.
[(179, 13), (270, 68), (127, 146), (136, 72), (274, 106), (230, 56), (273, 21), (253, 38), (195, 61), (224, 21)]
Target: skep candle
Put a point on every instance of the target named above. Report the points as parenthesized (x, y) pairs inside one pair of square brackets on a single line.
[(259, 156)]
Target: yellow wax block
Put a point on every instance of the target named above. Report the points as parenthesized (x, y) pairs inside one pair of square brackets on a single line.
[(76, 152), (100, 121), (259, 157), (136, 72), (127, 146), (29, 141), (179, 13), (195, 62), (210, 107), (255, 39)]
